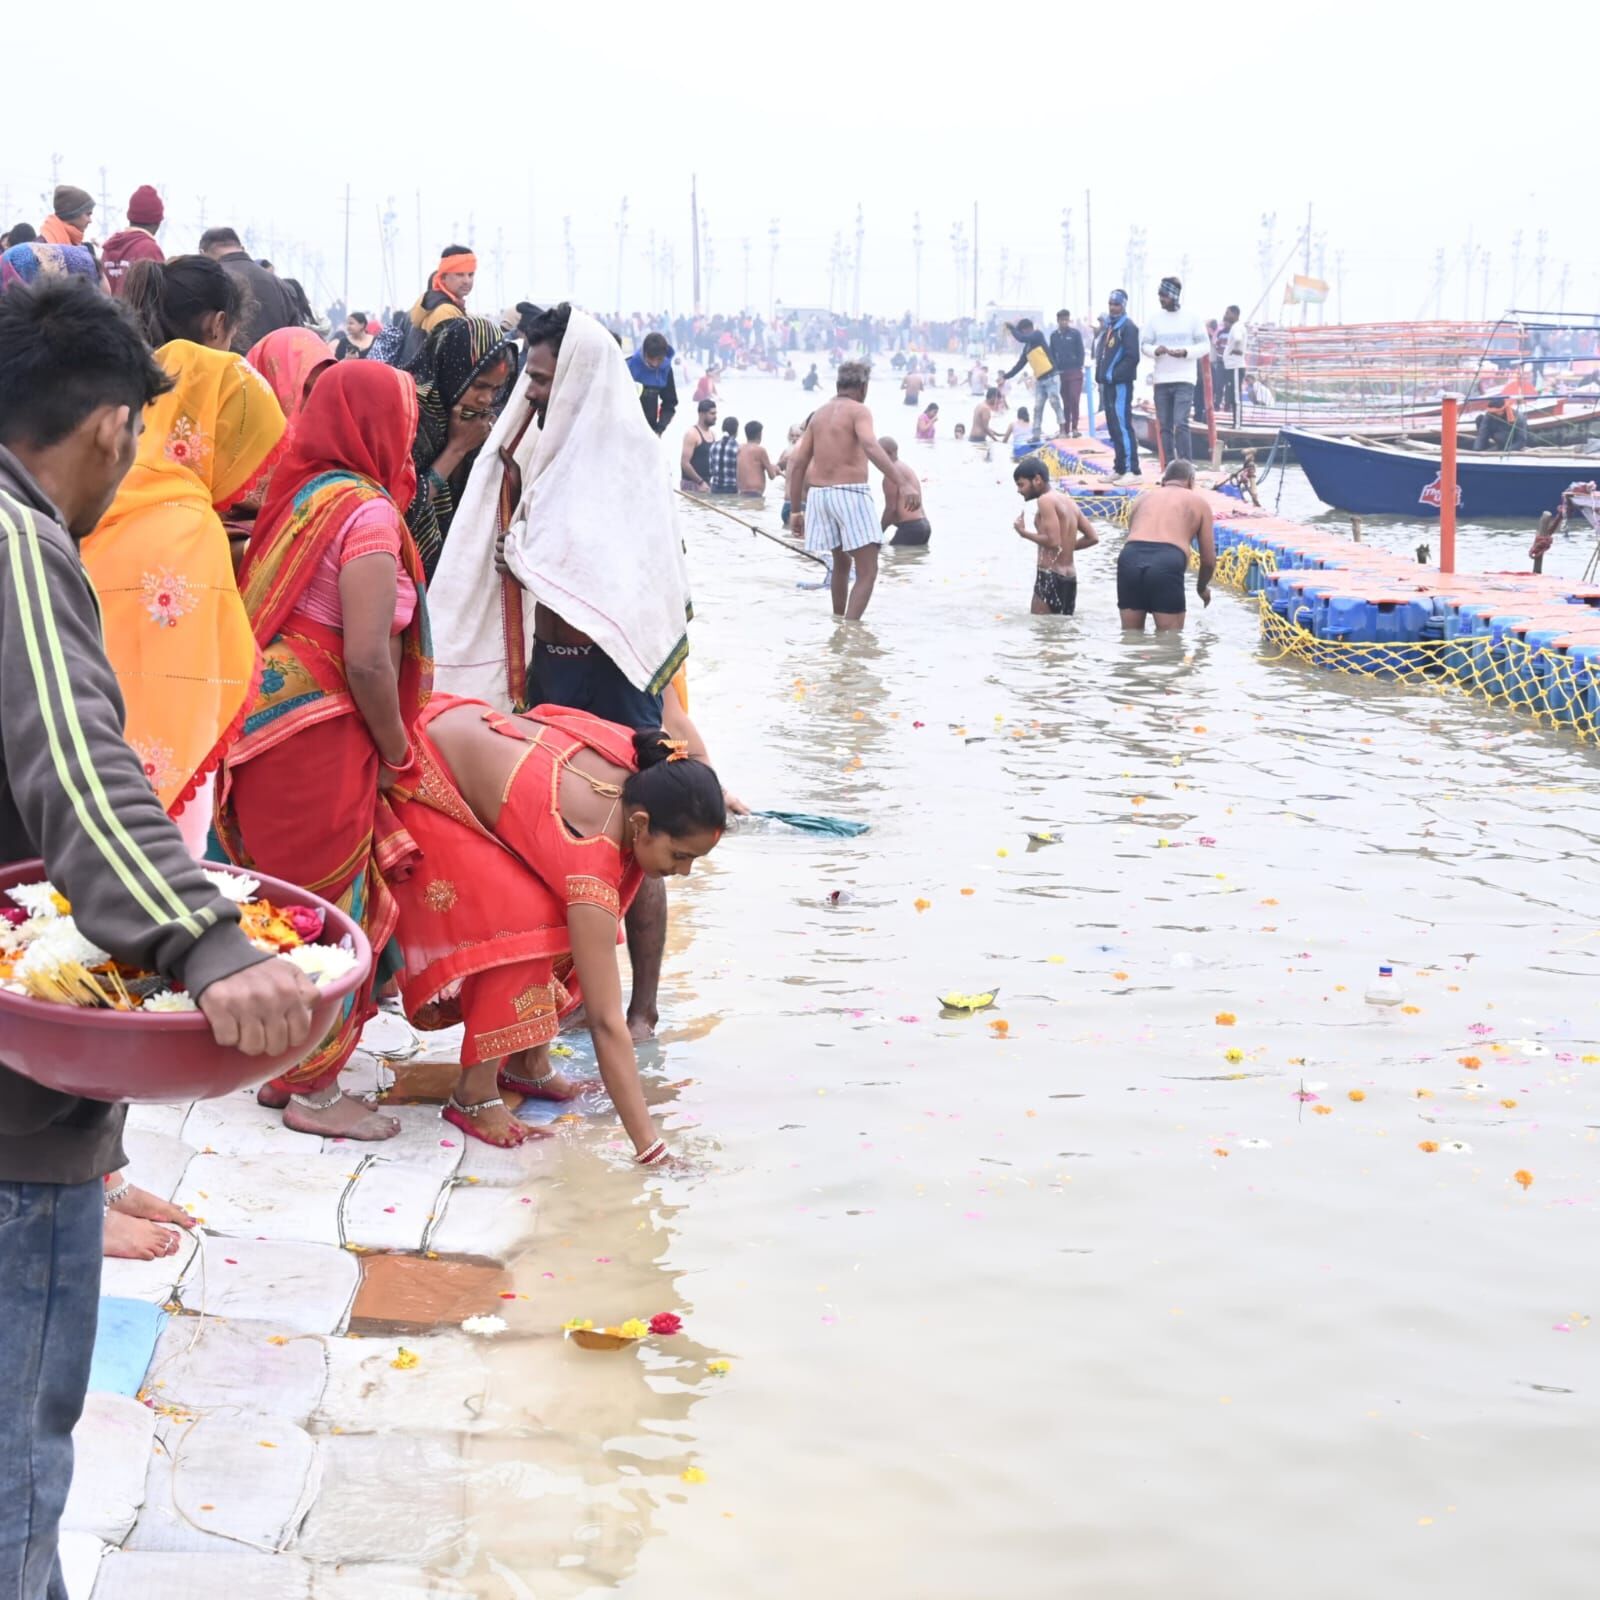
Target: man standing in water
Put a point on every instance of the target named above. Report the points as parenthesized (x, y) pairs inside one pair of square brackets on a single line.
[(1059, 529), (1116, 365), (694, 463), (983, 428), (908, 529), (828, 488), (1166, 521)]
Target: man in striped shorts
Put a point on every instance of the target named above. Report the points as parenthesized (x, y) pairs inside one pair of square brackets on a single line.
[(832, 505)]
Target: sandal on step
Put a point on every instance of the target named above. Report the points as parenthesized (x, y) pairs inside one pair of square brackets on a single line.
[(462, 1117)]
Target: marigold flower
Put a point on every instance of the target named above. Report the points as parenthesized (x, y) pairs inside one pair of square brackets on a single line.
[(720, 1368), (693, 1475), (922, 905), (1233, 1054), (633, 1328), (1508, 1104), (405, 1360), (1470, 1062), (1428, 1146), (1226, 1019), (1358, 1094), (1522, 1176), (573, 1324), (1323, 1111), (1412, 1011)]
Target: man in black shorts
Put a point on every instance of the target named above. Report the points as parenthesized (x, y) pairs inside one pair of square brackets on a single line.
[(1166, 521), (909, 528)]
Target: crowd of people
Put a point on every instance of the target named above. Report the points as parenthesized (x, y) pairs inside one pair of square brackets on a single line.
[(400, 618), (397, 612)]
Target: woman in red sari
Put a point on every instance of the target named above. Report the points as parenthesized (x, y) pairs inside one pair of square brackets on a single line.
[(535, 833), (333, 588)]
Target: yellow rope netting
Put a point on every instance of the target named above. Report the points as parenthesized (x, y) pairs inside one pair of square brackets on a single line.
[(1553, 688)]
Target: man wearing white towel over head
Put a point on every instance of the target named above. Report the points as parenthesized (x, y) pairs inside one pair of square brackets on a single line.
[(832, 505), (570, 501)]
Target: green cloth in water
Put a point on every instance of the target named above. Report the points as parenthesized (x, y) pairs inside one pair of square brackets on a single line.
[(834, 827)]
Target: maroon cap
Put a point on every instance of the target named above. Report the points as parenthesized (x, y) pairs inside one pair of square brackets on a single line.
[(145, 209)]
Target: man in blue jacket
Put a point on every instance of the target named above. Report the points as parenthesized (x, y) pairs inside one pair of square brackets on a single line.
[(651, 366), (1116, 364)]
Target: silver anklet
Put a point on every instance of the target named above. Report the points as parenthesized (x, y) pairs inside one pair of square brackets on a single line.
[(114, 1195), (473, 1110), (330, 1099)]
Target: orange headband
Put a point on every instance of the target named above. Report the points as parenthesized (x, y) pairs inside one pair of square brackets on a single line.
[(461, 263)]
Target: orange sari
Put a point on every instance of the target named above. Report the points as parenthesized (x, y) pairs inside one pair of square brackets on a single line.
[(175, 628)]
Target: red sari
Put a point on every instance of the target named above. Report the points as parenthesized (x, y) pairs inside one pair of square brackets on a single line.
[(299, 796), (483, 917)]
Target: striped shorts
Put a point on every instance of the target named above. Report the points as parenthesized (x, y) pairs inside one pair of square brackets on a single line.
[(841, 517)]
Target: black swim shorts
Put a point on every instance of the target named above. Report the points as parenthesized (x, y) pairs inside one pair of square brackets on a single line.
[(1057, 590), (917, 531), (1150, 577)]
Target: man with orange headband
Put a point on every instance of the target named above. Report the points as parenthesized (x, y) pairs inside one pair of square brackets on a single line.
[(447, 291)]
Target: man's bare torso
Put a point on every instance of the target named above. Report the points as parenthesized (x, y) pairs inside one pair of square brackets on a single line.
[(754, 468), (1167, 515), (982, 416), (836, 453)]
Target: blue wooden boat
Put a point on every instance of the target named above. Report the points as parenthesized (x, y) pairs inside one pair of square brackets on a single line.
[(1402, 481)]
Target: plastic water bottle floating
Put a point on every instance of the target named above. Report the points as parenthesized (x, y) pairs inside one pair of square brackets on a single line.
[(1383, 990)]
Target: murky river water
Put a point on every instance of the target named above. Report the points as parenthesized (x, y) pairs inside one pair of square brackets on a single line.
[(1116, 1300)]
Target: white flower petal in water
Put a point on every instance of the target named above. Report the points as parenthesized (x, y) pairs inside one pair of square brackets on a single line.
[(233, 886), (1456, 1147), (487, 1326), (1255, 1144), (1532, 1047)]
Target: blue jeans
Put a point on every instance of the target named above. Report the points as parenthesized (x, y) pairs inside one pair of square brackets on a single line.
[(50, 1238), (1047, 388), (1174, 402)]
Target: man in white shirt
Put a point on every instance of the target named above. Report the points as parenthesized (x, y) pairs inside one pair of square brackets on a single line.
[(1232, 338), (1178, 342)]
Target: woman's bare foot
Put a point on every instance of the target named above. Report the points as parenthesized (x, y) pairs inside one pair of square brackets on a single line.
[(529, 1073), (138, 1239), (136, 1202), (272, 1096), (641, 1026), (342, 1117)]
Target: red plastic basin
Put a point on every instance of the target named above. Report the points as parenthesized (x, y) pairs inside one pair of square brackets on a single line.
[(126, 1055)]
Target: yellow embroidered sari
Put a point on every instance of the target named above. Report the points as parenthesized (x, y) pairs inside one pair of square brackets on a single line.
[(175, 628)]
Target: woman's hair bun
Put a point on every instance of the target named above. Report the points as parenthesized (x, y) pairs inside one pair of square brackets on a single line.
[(651, 746)]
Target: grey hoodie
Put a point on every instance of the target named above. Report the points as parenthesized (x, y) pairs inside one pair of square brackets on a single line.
[(73, 792)]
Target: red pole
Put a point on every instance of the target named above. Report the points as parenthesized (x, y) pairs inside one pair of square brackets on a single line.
[(1447, 483), (1211, 408)]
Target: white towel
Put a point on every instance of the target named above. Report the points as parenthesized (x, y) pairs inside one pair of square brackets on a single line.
[(595, 537)]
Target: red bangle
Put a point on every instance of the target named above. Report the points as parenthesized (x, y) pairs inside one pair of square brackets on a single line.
[(405, 766), (651, 1154)]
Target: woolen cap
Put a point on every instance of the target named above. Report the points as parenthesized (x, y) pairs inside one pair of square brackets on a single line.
[(145, 208), (70, 201)]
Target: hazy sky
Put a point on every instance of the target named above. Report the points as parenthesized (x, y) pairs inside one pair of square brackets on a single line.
[(1188, 122)]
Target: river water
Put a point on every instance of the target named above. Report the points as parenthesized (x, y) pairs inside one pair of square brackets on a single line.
[(1093, 1293)]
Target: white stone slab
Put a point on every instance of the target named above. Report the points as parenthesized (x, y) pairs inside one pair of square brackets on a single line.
[(296, 1288), (422, 1140), (151, 1575), (154, 1282), (419, 1518), (234, 1125), (391, 1204), (156, 1161), (111, 1456), (284, 1197), (508, 1169), (217, 1482), (446, 1391), (366, 1074), (484, 1219), (167, 1119), (385, 1581), (207, 1364), (80, 1563)]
